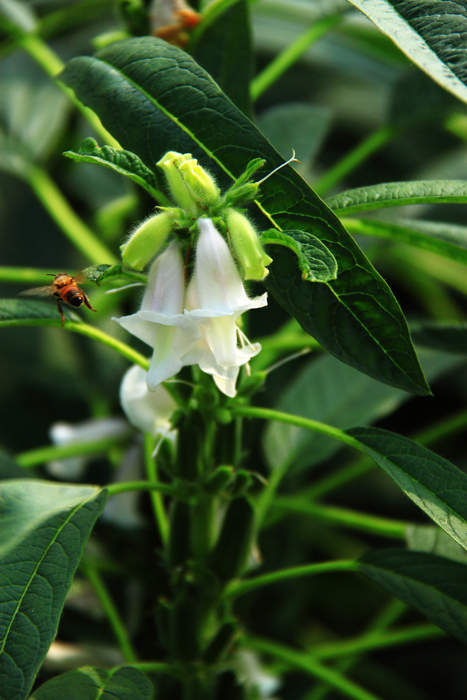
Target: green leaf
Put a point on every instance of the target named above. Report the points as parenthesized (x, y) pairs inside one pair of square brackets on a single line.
[(43, 530), (449, 337), (37, 313), (17, 15), (416, 99), (162, 99), (431, 539), (102, 273), (89, 683), (9, 469), (217, 52), (398, 194), (315, 260), (333, 393), (433, 585), (122, 162), (296, 124), (434, 484), (431, 33), (448, 240)]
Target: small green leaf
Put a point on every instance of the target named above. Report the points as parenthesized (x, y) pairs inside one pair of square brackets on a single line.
[(315, 260), (102, 273), (43, 530), (449, 337), (434, 484), (88, 683), (123, 162), (433, 585), (431, 33), (14, 312), (398, 194)]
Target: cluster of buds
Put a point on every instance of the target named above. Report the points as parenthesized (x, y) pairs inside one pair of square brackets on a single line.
[(193, 318)]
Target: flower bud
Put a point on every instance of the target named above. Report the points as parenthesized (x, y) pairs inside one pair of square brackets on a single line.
[(146, 240), (190, 184), (247, 246)]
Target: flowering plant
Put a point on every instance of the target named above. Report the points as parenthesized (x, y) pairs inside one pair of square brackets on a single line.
[(231, 442)]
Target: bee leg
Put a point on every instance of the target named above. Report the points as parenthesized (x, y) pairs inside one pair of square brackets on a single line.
[(88, 304), (60, 311)]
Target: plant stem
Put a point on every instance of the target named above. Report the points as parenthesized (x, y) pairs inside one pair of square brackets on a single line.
[(234, 590), (393, 529), (153, 667), (52, 65), (34, 458), (290, 55), (23, 275), (120, 632), (354, 159), (156, 497), (125, 486), (74, 228), (308, 663)]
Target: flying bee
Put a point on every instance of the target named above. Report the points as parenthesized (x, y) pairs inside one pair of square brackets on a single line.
[(66, 289)]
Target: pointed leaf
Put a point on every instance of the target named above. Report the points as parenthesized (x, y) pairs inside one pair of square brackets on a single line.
[(122, 162), (399, 194), (434, 484), (162, 99), (433, 585), (101, 273), (43, 530), (315, 260), (88, 683), (431, 33)]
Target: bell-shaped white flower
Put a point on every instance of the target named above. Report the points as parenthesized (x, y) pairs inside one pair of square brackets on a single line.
[(160, 322), (150, 411), (215, 299)]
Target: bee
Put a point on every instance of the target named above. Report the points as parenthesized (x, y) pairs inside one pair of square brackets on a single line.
[(66, 289)]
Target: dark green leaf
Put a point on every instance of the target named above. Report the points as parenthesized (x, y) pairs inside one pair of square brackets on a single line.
[(218, 53), (90, 683), (448, 240), (450, 337), (416, 100), (296, 125), (434, 484), (435, 586), (330, 392), (431, 33), (431, 539), (43, 529), (39, 313), (9, 469), (123, 162), (162, 99), (315, 260), (102, 273), (398, 194)]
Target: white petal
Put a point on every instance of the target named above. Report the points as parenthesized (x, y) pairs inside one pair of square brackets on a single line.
[(166, 283), (148, 411), (227, 386)]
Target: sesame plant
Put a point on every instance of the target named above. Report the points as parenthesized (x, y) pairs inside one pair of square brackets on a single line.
[(242, 475)]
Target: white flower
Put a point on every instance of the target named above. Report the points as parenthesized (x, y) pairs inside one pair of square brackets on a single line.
[(160, 322), (255, 676), (150, 411)]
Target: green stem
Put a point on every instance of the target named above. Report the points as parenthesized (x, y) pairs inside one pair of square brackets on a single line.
[(354, 159), (371, 641), (73, 227), (52, 65), (34, 458), (393, 529), (234, 590), (125, 486), (299, 421), (156, 497), (153, 667), (308, 663), (290, 55), (120, 632), (23, 275)]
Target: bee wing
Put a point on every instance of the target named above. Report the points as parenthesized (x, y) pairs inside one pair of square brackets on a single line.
[(46, 291)]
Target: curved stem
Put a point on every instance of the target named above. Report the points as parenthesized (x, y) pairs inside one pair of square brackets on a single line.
[(234, 590), (156, 498), (125, 486), (74, 228), (34, 458), (290, 55)]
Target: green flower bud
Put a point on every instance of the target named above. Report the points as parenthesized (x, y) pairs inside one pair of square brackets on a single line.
[(247, 246), (190, 184), (146, 240)]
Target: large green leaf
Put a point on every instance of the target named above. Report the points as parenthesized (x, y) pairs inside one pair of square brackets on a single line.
[(13, 312), (399, 194), (434, 484), (161, 99), (432, 33), (88, 683), (435, 586), (330, 392), (43, 529)]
